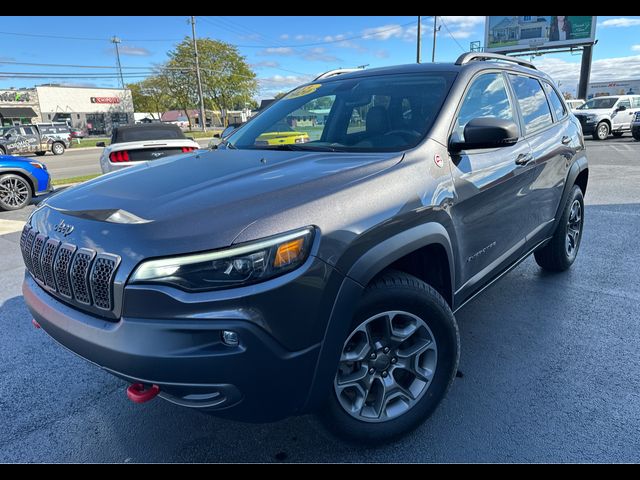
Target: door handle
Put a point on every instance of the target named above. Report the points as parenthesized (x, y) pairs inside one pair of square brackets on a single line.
[(566, 140), (524, 158)]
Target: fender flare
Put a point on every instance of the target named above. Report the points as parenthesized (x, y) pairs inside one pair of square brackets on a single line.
[(23, 173), (350, 292), (579, 166)]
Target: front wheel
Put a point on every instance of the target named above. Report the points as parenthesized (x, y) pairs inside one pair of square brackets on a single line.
[(396, 364), (57, 148), (602, 131), (15, 192), (561, 251)]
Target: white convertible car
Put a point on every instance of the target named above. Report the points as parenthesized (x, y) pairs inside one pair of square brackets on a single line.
[(143, 143)]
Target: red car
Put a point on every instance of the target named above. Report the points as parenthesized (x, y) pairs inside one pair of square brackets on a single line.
[(78, 133)]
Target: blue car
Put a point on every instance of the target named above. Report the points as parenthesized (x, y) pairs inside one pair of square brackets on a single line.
[(21, 179)]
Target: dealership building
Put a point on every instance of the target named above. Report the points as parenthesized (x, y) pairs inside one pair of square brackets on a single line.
[(97, 110)]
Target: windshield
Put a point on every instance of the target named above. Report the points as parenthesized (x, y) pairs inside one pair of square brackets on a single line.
[(147, 132), (377, 113), (596, 103)]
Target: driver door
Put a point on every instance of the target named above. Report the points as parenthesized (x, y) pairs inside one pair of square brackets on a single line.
[(621, 119)]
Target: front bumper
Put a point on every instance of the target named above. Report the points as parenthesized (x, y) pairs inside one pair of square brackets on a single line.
[(258, 380)]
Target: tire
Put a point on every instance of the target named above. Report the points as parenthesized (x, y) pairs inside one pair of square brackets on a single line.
[(602, 131), (418, 314), (57, 148), (561, 251), (3, 151), (15, 192), (617, 134), (636, 136), (40, 154)]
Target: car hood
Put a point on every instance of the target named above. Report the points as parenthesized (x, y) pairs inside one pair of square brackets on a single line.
[(594, 111), (198, 202)]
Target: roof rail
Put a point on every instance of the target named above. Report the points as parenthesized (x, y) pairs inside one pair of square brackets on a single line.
[(471, 56), (338, 71)]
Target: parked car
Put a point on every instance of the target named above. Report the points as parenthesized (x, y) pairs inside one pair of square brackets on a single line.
[(601, 116), (257, 281), (21, 179), (59, 132), (574, 103), (635, 126), (132, 144), (78, 133), (21, 139)]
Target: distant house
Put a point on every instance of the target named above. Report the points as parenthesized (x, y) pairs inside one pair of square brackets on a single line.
[(513, 29), (302, 118)]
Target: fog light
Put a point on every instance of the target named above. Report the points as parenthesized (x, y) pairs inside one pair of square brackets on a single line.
[(230, 338)]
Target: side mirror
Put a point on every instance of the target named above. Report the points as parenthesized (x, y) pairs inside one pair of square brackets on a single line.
[(101, 144), (621, 108), (486, 132)]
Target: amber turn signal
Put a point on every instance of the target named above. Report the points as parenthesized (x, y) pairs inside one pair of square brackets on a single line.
[(288, 252)]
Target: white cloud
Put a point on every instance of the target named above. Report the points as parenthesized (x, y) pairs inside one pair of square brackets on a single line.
[(620, 22), (266, 64), (461, 33), (384, 32), (284, 51), (134, 51), (635, 48), (269, 86), (466, 22), (318, 54), (619, 68), (284, 36)]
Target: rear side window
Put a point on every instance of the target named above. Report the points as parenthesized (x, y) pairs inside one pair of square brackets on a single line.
[(533, 103), (555, 100), (487, 97), (635, 101)]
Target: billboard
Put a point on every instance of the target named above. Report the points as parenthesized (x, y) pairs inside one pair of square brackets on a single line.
[(525, 33), (621, 87)]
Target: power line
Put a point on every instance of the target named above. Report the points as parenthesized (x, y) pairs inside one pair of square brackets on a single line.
[(449, 32)]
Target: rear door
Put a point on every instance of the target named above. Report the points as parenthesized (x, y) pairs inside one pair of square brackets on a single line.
[(490, 212)]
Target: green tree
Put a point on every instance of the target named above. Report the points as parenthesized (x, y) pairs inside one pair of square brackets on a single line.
[(151, 95), (227, 79)]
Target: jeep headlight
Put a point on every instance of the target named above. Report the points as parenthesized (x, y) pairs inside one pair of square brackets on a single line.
[(232, 267)]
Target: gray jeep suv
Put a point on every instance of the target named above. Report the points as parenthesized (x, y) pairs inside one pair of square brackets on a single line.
[(273, 277)]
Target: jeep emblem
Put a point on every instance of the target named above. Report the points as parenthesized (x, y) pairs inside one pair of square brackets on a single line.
[(64, 228)]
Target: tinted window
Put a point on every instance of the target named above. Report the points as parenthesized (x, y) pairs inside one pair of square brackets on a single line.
[(487, 97), (147, 132), (595, 103), (27, 131), (556, 101), (364, 114), (533, 102)]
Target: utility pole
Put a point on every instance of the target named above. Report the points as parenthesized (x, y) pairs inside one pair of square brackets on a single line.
[(435, 30), (419, 40), (203, 118), (116, 41)]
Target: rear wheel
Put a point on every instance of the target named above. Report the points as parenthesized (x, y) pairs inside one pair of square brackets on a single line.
[(15, 192), (602, 131), (57, 148), (397, 363), (561, 251), (617, 134), (636, 135)]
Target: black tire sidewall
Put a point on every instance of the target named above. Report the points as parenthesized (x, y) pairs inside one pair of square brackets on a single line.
[(576, 194), (10, 207), (440, 320)]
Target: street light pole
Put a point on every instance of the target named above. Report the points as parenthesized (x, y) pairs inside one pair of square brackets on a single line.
[(116, 41), (203, 119), (419, 40), (435, 30)]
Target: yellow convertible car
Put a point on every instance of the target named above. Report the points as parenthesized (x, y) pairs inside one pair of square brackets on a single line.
[(281, 138)]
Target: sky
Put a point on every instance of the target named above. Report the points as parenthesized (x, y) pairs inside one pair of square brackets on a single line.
[(283, 51)]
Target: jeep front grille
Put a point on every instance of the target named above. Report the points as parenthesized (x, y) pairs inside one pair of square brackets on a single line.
[(79, 275)]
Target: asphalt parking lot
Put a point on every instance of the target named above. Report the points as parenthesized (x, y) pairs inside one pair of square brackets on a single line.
[(550, 369)]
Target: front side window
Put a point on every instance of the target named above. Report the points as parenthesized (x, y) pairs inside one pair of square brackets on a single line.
[(487, 97), (533, 103), (377, 113), (624, 103), (27, 131), (556, 101)]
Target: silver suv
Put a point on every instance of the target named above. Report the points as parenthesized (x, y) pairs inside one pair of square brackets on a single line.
[(603, 115)]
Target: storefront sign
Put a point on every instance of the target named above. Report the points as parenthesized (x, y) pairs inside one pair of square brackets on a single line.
[(13, 96), (105, 100)]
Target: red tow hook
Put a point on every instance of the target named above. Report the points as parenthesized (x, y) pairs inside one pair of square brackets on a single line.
[(35, 323), (139, 393)]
